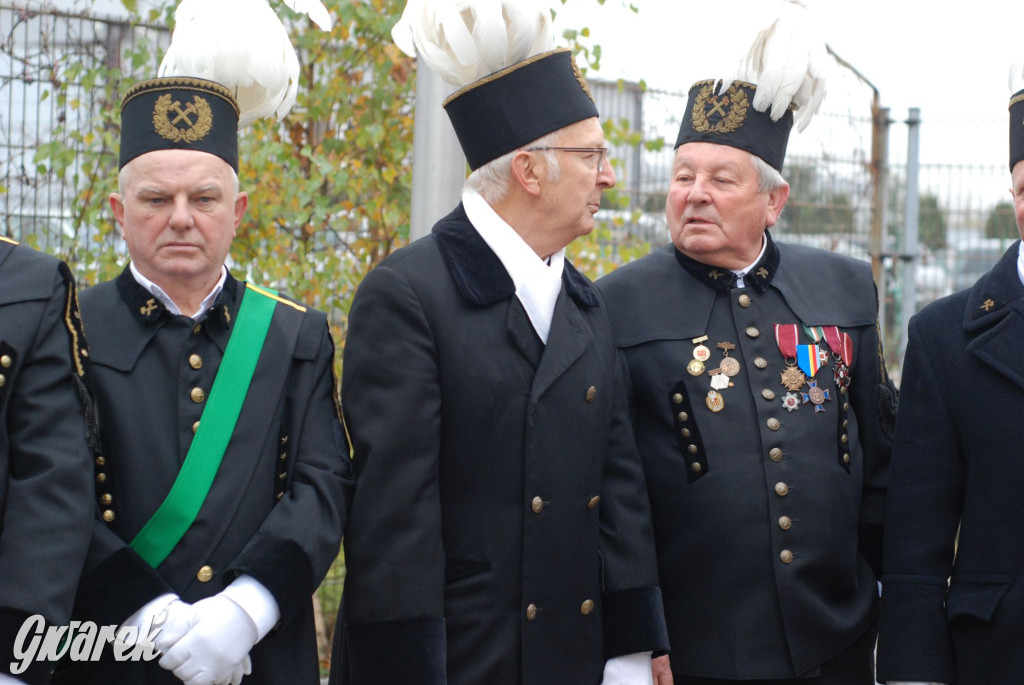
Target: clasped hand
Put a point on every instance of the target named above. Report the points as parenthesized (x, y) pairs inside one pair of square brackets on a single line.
[(206, 643)]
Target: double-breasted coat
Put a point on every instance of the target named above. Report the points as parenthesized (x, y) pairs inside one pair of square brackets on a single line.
[(499, 531), (767, 519), (953, 593), (277, 505), (46, 504)]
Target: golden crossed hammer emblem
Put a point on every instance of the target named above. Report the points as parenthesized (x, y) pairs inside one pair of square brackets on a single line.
[(183, 114), (718, 104), (148, 308)]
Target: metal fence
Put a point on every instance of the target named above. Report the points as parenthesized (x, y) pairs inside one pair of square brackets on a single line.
[(848, 194)]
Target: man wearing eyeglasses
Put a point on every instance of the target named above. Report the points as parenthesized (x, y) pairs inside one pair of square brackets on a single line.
[(500, 531)]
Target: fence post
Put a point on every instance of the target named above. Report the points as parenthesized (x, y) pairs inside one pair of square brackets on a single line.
[(438, 165), (910, 228), (880, 173)]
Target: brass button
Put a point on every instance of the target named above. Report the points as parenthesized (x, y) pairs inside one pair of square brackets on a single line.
[(773, 424), (591, 393), (5, 361), (594, 501), (692, 449), (108, 516), (195, 427), (283, 456), (284, 439), (695, 467), (785, 523), (106, 499), (531, 612), (752, 332), (101, 461), (537, 505), (195, 361), (842, 390), (781, 489), (744, 300), (3, 380), (685, 432), (197, 395), (761, 363), (786, 556), (205, 574), (587, 607), (677, 398), (844, 439), (683, 416), (775, 454), (846, 458), (101, 478), (846, 423), (197, 329), (846, 406), (85, 352), (768, 394)]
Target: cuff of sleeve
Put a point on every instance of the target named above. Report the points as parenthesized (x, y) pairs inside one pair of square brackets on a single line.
[(11, 622), (150, 608), (634, 621), (117, 588), (282, 567), (255, 600), (407, 651)]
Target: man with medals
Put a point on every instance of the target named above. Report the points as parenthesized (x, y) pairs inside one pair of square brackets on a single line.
[(953, 590), (500, 530), (767, 477), (225, 477)]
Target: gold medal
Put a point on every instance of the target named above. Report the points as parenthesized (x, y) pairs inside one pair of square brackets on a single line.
[(715, 401), (793, 378), (695, 367)]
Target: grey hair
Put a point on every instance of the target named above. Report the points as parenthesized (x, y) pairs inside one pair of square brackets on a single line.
[(491, 180), (768, 177)]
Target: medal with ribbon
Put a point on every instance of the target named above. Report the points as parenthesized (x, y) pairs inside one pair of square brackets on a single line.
[(841, 345), (786, 336)]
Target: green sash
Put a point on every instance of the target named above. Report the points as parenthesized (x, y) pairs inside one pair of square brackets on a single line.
[(177, 512)]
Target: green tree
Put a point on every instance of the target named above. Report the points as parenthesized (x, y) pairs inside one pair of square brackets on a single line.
[(1002, 222), (931, 222), (814, 206)]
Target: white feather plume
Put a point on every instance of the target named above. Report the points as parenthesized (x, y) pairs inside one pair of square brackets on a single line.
[(464, 40), (787, 61), (242, 45), (1016, 77)]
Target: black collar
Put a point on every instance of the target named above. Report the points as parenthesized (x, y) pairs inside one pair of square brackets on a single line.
[(723, 280), (990, 299), (480, 275), (150, 310)]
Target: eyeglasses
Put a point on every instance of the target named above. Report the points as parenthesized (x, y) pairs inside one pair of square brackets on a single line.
[(602, 152)]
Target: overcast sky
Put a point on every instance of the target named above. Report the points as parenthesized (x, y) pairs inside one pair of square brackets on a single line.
[(953, 65)]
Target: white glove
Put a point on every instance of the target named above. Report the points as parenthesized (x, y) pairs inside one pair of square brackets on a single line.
[(215, 650), (10, 680), (631, 669), (167, 615)]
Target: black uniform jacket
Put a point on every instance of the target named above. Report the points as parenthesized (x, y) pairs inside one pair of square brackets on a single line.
[(500, 531), (765, 519), (958, 465), (46, 503), (276, 508)]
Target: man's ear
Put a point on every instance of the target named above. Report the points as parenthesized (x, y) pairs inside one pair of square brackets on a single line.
[(525, 172), (776, 201)]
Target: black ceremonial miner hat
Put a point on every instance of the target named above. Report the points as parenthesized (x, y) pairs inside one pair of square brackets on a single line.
[(517, 105), (179, 113), (729, 118), (1016, 128)]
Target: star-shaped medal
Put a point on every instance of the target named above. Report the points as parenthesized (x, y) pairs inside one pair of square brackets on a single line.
[(791, 402)]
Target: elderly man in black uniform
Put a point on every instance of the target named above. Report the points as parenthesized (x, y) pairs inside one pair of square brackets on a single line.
[(953, 595), (226, 471), (760, 407), (500, 531), (46, 501)]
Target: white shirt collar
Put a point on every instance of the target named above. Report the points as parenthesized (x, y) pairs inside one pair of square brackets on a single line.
[(537, 282), (158, 292), (1020, 261), (747, 269)]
